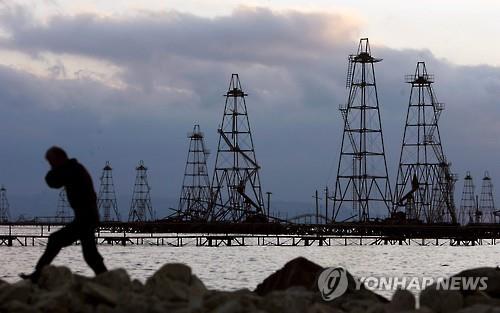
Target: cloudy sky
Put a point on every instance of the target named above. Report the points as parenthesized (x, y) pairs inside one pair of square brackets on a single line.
[(123, 81)]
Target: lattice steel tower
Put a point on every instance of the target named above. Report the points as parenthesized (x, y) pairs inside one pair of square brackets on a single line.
[(63, 211), (468, 205), (4, 206), (236, 189), (362, 189), (486, 200), (106, 202), (196, 193), (424, 183), (141, 209)]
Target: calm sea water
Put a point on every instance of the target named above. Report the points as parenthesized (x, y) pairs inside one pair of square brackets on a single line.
[(230, 268)]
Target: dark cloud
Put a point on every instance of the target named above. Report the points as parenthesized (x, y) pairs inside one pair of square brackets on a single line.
[(175, 68)]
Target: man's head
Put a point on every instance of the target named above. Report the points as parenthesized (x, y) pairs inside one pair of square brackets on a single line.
[(56, 156)]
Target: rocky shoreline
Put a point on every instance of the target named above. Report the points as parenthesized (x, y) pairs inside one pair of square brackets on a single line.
[(174, 288)]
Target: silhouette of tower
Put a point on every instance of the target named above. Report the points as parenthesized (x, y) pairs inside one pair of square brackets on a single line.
[(362, 188), (486, 201), (141, 209), (195, 194), (107, 197), (468, 202), (236, 189), (4, 206), (63, 211), (424, 183)]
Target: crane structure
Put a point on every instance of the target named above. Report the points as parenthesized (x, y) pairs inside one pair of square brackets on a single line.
[(236, 189), (424, 183), (468, 203), (196, 190), (4, 206), (141, 209), (487, 202), (106, 200), (362, 188)]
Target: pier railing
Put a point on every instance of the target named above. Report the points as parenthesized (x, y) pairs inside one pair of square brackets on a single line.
[(270, 234)]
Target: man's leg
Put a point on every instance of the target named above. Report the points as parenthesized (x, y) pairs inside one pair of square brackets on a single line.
[(90, 253), (58, 240)]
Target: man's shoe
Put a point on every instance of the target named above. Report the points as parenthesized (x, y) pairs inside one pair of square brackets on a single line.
[(33, 277)]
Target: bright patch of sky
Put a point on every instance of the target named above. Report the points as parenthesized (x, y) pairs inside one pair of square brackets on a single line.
[(460, 31)]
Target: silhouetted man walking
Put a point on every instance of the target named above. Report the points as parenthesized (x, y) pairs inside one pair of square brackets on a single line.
[(70, 174)]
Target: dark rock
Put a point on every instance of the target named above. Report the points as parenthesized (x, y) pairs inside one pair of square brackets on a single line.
[(174, 282), (301, 272), (297, 272), (117, 279), (17, 307), (480, 297), (492, 274), (441, 301), (480, 308), (95, 293), (293, 300), (55, 277), (322, 308), (402, 300), (19, 291), (58, 301)]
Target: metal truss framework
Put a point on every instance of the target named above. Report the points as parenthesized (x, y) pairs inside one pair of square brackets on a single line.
[(141, 209), (196, 191), (106, 202), (362, 189), (487, 202), (236, 189), (4, 206), (424, 183), (468, 204)]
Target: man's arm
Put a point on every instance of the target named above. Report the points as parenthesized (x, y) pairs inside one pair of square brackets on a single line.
[(56, 178)]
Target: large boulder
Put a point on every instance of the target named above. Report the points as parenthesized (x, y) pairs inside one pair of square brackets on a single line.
[(175, 283), (20, 292), (402, 300), (302, 274), (441, 301), (55, 277), (492, 276), (297, 272), (117, 279), (478, 287)]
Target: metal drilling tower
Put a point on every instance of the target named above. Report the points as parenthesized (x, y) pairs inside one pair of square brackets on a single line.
[(236, 189), (362, 188), (141, 209), (196, 193), (107, 197), (486, 200), (63, 211), (424, 183), (4, 206), (468, 205)]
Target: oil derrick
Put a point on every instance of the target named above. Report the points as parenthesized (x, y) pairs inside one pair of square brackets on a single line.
[(424, 183), (63, 211), (107, 197), (195, 194), (468, 206), (141, 209), (362, 188), (236, 189), (4, 206), (486, 201)]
